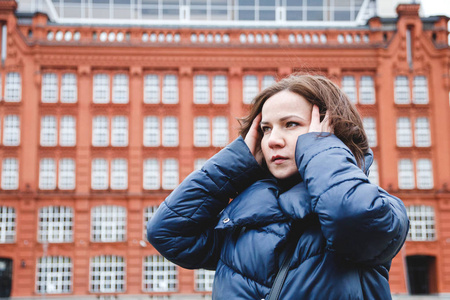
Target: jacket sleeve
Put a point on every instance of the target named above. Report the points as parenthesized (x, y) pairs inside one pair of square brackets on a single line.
[(359, 220), (182, 229)]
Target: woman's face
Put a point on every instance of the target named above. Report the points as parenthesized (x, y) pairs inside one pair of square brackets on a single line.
[(285, 116)]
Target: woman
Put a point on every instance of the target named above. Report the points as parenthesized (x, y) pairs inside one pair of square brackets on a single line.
[(303, 159)]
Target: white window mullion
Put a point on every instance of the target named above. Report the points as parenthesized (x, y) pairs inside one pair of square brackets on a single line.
[(220, 89), (11, 130), (67, 131), (120, 88), (250, 88), (170, 132), (10, 174), (170, 174), (101, 88), (119, 131), (47, 174), (151, 131), (201, 132), (424, 174), (404, 132), (151, 88), (201, 89), (48, 131), (406, 174), (220, 131), (151, 174), (349, 87), (49, 88), (69, 90), (402, 94)]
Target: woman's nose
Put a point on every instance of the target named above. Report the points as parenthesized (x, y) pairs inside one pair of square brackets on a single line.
[(276, 139)]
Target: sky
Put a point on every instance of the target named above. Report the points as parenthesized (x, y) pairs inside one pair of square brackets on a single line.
[(436, 7)]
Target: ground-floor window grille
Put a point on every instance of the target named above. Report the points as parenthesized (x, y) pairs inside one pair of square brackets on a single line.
[(160, 275), (107, 274), (54, 275)]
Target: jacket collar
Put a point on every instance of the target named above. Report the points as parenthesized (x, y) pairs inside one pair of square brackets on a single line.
[(368, 160), (264, 203), (256, 206)]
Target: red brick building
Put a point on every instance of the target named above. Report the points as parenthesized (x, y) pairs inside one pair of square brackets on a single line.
[(100, 121)]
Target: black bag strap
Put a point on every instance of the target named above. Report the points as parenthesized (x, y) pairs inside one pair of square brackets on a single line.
[(282, 273)]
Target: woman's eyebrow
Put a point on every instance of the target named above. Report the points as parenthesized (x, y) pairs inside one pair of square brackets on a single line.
[(285, 118), (292, 116)]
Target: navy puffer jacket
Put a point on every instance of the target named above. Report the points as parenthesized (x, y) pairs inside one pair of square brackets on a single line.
[(351, 229)]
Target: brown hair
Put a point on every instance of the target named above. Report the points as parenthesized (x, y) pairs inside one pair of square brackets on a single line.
[(318, 90)]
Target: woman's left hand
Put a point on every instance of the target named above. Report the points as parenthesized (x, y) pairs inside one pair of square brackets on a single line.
[(316, 125)]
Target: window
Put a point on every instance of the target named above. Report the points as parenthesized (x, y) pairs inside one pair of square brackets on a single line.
[(151, 174), (402, 95), (101, 88), (170, 89), (267, 81), (107, 274), (424, 174), (120, 88), (10, 174), (100, 131), (250, 88), (201, 132), (149, 211), (69, 91), (67, 131), (151, 88), (119, 174), (160, 275), (366, 90), (422, 132), (170, 174), (47, 174), (170, 132), (119, 131), (404, 134), (54, 275), (151, 131), (199, 163), (204, 280), (99, 175), (108, 224), (66, 179), (373, 174), (49, 88), (220, 89), (422, 224), (11, 130), (405, 174), (420, 90), (7, 224), (201, 89), (371, 130), (13, 88), (55, 224), (48, 131), (349, 87), (220, 131)]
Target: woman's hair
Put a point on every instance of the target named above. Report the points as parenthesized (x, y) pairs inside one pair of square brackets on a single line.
[(318, 90)]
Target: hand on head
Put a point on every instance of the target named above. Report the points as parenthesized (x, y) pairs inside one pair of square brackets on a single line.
[(316, 125), (253, 139)]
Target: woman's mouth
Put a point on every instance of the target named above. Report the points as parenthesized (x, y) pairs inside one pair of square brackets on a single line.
[(278, 160)]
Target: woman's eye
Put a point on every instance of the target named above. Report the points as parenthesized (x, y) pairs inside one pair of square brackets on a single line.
[(291, 124), (265, 128)]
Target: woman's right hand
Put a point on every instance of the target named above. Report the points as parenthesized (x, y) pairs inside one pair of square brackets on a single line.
[(253, 139)]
